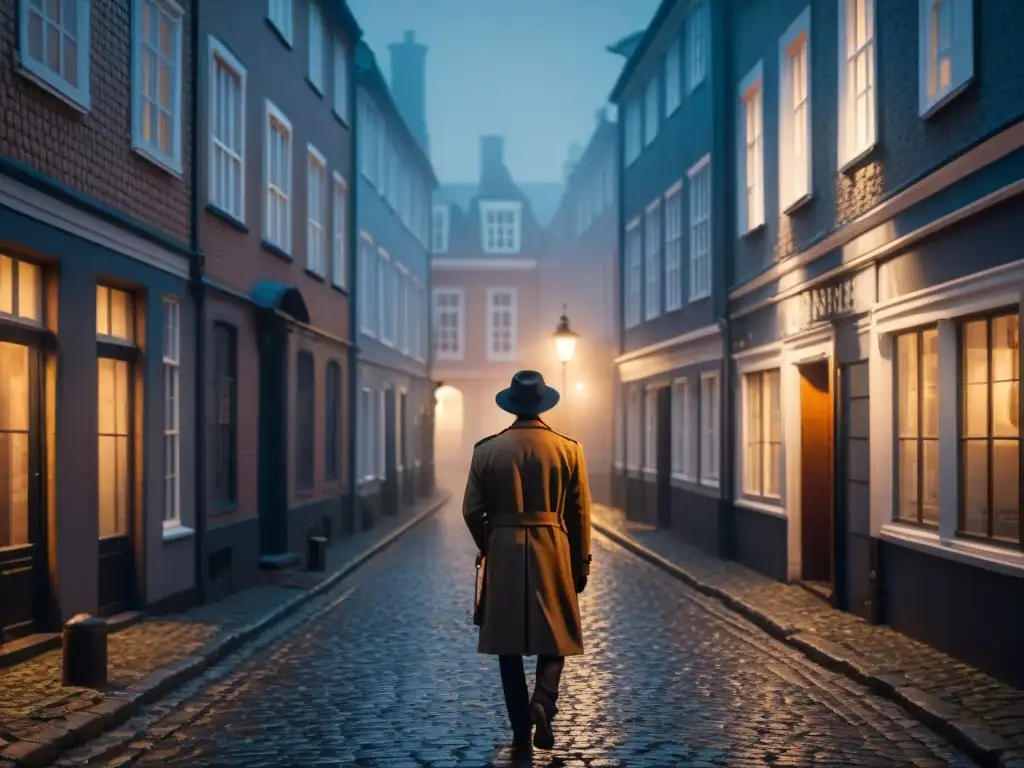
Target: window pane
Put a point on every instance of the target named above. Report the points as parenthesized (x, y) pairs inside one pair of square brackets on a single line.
[(930, 383), (907, 506), (930, 481), (102, 310), (975, 490), (1005, 490), (908, 386), (975, 352)]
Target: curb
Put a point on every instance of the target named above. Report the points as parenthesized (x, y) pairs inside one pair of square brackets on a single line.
[(43, 746), (947, 720)]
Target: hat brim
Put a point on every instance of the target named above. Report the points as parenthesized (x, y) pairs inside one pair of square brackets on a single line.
[(546, 403)]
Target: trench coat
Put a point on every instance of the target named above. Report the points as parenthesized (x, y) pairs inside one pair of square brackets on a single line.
[(527, 506)]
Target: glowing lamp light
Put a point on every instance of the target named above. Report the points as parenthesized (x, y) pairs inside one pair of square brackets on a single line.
[(579, 386), (565, 340)]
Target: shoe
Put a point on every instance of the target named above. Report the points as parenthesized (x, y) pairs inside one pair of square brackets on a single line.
[(543, 737), (520, 746)]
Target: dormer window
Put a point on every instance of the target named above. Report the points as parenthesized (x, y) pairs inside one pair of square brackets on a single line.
[(439, 231), (500, 225)]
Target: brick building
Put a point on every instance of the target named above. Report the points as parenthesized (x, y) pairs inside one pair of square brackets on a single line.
[(395, 405), (97, 352), (276, 104), (488, 240)]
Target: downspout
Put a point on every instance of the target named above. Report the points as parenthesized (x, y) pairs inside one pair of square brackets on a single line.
[(198, 293), (353, 293)]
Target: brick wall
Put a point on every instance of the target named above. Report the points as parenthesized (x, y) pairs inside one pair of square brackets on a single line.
[(91, 152)]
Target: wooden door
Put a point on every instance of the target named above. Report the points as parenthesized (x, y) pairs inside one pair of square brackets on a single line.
[(816, 468)]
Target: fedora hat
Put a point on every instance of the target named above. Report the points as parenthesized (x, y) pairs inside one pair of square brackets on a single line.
[(527, 395)]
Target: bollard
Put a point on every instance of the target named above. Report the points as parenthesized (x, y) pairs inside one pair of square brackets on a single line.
[(327, 528), (317, 556), (84, 662)]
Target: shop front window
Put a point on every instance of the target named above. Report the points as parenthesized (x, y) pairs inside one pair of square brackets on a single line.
[(14, 445)]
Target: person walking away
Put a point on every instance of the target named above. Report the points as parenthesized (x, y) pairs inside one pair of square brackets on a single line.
[(527, 506)]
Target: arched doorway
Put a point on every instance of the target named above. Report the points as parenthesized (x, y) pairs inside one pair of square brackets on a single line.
[(450, 457)]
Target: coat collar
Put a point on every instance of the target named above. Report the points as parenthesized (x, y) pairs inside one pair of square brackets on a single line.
[(534, 423)]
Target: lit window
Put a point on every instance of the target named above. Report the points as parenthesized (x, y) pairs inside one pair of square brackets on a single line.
[(227, 131), (751, 165), (21, 289), (794, 113), (947, 50), (156, 92), (762, 433), (54, 47), (277, 225), (917, 481), (15, 420), (172, 412), (500, 224), (856, 79), (501, 324), (115, 313)]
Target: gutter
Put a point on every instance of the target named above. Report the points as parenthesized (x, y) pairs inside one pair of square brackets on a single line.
[(196, 263), (353, 275)]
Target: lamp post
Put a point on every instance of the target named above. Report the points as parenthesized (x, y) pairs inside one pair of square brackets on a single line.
[(565, 343)]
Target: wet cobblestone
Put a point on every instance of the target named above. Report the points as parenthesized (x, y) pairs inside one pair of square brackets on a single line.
[(386, 674), (998, 705)]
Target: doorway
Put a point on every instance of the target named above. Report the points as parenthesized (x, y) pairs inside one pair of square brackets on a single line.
[(23, 580), (664, 457), (450, 459), (816, 481)]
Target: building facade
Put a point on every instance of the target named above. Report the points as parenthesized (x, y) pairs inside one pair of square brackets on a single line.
[(579, 273), (395, 405), (97, 355), (875, 344), (675, 157), (485, 299), (275, 111)]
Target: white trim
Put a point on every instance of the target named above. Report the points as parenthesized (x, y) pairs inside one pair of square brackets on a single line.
[(650, 429), (80, 98), (316, 170), (171, 410), (385, 295), (169, 161), (849, 151), (750, 216), (1004, 560), (684, 417), (492, 293), (753, 355), (775, 510), (177, 532), (44, 208), (511, 240), (339, 240), (281, 14), (483, 265), (960, 52), (315, 47), (273, 114), (220, 57), (710, 452), (698, 166), (676, 341), (796, 177), (460, 352), (701, 275)]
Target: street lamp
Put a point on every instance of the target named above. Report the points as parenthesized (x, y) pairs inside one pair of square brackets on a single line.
[(565, 343)]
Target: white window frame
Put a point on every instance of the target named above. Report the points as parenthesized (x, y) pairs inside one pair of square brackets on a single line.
[(652, 110), (650, 433), (673, 78), (79, 97), (315, 46), (339, 231), (420, 327), (399, 465), (497, 207), (699, 175), (385, 292), (795, 123), (746, 429), (634, 429), (672, 214), (750, 214), (221, 59), (281, 14), (316, 211), (634, 273), (382, 430), (960, 53), (275, 115), (439, 230), (460, 327), (513, 312), (367, 403), (652, 260), (697, 44), (172, 413), (710, 437), (148, 148), (633, 127), (684, 422), (369, 315), (401, 304), (341, 79), (850, 150)]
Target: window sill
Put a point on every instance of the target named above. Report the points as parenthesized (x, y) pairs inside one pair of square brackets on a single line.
[(709, 483), (768, 507), (80, 102), (314, 275), (684, 478), (340, 118), (223, 215), (701, 297), (275, 250), (164, 163), (936, 104), (795, 206), (177, 532), (219, 508), (854, 163), (754, 230), (277, 31), (316, 88), (990, 557), (339, 288)]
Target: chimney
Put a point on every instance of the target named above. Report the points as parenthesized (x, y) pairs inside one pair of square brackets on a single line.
[(492, 156), (409, 85)]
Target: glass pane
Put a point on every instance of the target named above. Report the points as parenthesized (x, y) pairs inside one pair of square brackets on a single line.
[(975, 511), (107, 395), (906, 376), (1004, 348), (121, 394), (29, 284), (930, 481), (930, 383), (120, 307), (14, 387), (1005, 409), (773, 469), (121, 518), (907, 503), (107, 486), (752, 474), (1006, 490), (975, 410), (102, 310), (975, 343), (6, 285), (14, 479)]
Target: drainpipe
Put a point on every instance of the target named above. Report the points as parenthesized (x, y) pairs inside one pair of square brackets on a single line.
[(353, 293), (198, 294)]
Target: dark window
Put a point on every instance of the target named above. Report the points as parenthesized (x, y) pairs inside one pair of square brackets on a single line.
[(917, 381), (304, 435), (990, 428), (332, 409), (225, 415), (403, 436)]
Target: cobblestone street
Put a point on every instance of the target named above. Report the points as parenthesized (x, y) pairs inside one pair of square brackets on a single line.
[(384, 673)]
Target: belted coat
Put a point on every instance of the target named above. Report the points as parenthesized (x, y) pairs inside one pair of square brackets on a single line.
[(527, 505)]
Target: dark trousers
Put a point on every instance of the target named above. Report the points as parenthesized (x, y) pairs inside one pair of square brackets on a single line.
[(513, 682)]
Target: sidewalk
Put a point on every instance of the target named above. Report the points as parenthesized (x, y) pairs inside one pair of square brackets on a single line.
[(39, 718), (979, 714)]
